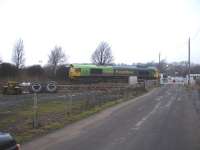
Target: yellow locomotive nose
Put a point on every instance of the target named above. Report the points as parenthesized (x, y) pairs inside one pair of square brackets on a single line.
[(74, 72)]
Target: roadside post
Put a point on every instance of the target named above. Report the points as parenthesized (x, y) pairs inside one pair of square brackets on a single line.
[(35, 111), (66, 105), (70, 105)]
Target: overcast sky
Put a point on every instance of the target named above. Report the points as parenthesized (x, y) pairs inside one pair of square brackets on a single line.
[(136, 29)]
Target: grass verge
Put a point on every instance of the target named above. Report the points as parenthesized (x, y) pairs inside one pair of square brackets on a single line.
[(52, 116)]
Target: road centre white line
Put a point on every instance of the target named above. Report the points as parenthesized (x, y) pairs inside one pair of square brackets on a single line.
[(169, 103), (139, 123), (159, 98)]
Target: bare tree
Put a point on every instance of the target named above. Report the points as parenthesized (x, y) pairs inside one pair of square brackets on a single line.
[(103, 54), (18, 57), (56, 57), (162, 66)]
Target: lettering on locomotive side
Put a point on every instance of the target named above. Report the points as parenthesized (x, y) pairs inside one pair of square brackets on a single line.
[(123, 71)]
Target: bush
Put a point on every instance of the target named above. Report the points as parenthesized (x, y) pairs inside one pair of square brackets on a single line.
[(49, 71), (62, 72), (34, 71), (8, 70)]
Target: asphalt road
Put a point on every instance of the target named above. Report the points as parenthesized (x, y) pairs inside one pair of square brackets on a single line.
[(167, 118)]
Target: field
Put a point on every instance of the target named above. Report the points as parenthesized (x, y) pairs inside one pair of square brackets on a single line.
[(24, 120)]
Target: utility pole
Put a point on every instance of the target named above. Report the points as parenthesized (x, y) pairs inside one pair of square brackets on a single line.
[(189, 61), (159, 57), (159, 61)]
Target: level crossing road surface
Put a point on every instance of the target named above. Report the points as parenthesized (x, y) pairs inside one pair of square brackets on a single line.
[(166, 118)]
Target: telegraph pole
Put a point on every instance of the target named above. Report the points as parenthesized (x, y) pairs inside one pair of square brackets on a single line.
[(189, 61), (159, 60), (159, 57)]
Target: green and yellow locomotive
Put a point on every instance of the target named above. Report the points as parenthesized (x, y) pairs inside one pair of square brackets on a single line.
[(111, 73)]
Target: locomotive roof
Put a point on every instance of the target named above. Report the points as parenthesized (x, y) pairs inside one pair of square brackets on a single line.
[(135, 67), (89, 66), (125, 67)]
